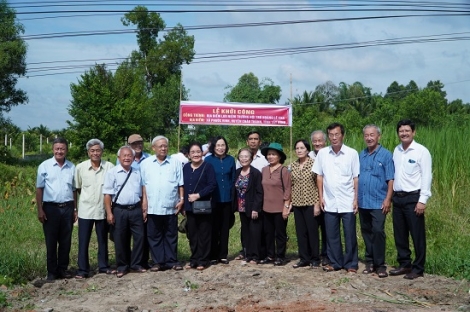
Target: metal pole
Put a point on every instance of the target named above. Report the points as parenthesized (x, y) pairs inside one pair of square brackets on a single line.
[(23, 145), (40, 144), (290, 145), (179, 121)]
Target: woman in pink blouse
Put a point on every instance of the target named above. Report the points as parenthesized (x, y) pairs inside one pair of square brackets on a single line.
[(276, 181)]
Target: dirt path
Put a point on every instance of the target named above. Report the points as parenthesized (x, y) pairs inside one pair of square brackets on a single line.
[(235, 287)]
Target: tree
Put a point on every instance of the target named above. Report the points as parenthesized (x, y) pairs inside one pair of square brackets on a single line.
[(250, 90), (12, 58)]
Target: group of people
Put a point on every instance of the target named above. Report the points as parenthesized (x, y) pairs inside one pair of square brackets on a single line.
[(141, 197)]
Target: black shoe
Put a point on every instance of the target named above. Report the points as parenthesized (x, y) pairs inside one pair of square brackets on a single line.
[(301, 264), (214, 262), (64, 274), (400, 271), (280, 262), (315, 264), (413, 275), (267, 260), (325, 261), (50, 277), (224, 261)]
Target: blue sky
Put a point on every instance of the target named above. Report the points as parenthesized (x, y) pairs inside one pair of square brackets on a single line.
[(376, 67)]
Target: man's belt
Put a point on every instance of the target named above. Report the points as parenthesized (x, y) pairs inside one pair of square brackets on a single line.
[(58, 205), (128, 207), (403, 194)]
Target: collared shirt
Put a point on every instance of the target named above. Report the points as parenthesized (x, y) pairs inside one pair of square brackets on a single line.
[(225, 175), (259, 161), (136, 164), (338, 171), (56, 181), (304, 184), (131, 192), (90, 183), (312, 155), (413, 170), (182, 159), (376, 170), (161, 181)]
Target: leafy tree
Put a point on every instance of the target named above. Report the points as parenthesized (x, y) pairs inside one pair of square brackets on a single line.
[(250, 90), (326, 96), (12, 58)]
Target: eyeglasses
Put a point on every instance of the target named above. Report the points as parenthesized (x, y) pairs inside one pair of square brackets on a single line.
[(195, 152), (334, 135)]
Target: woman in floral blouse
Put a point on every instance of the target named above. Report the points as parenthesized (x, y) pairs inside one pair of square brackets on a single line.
[(306, 206), (248, 201)]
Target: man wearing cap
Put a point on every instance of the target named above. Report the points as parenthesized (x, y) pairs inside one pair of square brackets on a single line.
[(56, 199), (122, 191), (412, 186), (136, 142), (163, 198), (89, 179), (337, 169), (318, 138)]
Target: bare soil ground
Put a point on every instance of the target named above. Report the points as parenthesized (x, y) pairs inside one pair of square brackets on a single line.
[(246, 288)]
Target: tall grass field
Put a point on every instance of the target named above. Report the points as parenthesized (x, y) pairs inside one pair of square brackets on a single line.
[(22, 247)]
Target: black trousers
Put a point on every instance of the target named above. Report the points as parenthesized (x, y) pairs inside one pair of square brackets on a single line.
[(199, 234), (145, 250), (85, 228), (58, 236), (321, 224), (162, 234), (129, 223), (373, 233), (276, 235), (406, 223), (220, 230), (338, 259), (306, 227), (251, 232)]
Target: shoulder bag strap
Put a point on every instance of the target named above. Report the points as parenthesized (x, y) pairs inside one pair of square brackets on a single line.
[(197, 183), (122, 186)]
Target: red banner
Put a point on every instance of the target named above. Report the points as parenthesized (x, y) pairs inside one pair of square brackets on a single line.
[(235, 114)]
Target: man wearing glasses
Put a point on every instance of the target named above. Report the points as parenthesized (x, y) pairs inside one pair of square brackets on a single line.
[(337, 169)]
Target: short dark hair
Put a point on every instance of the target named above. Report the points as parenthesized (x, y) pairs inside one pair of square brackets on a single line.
[(253, 132), (214, 141), (335, 125), (191, 145), (245, 149), (305, 142), (406, 122), (61, 141), (185, 149)]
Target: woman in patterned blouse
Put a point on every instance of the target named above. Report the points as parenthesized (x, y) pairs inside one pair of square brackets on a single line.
[(248, 201), (306, 206)]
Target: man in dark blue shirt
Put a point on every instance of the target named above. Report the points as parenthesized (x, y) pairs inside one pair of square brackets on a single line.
[(374, 198)]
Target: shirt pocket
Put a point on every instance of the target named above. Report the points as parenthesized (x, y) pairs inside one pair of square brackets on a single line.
[(411, 167), (345, 169), (378, 169)]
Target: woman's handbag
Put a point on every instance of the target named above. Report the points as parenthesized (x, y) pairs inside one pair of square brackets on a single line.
[(202, 206)]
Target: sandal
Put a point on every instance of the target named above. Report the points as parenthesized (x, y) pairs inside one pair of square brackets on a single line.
[(108, 271), (382, 272), (369, 269), (201, 268), (139, 270), (328, 268), (177, 267), (240, 257), (352, 271), (120, 274), (80, 277), (155, 268)]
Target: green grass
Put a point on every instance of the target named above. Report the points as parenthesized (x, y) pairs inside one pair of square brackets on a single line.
[(22, 247)]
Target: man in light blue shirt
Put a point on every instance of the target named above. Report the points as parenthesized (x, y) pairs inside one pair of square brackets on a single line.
[(375, 190), (163, 197), (56, 199), (124, 210)]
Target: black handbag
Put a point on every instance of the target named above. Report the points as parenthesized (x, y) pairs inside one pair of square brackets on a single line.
[(202, 206)]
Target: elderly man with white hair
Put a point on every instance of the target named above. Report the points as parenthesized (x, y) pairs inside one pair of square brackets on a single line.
[(89, 179), (163, 198)]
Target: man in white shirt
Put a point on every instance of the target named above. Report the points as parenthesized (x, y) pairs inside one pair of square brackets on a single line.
[(182, 155), (337, 169), (318, 138), (412, 186), (253, 141)]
